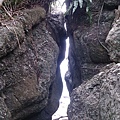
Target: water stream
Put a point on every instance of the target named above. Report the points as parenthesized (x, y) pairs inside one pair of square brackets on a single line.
[(61, 113), (65, 99)]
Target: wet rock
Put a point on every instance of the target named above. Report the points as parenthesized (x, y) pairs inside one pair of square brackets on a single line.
[(69, 81), (98, 98)]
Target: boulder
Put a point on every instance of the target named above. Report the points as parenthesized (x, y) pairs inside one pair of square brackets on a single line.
[(87, 32), (98, 98), (30, 80), (113, 41)]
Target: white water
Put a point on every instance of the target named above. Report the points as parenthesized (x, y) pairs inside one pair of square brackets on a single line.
[(65, 99)]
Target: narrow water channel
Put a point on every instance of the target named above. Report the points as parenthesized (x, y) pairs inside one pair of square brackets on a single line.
[(61, 113)]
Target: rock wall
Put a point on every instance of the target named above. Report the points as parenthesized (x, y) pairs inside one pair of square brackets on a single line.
[(94, 45), (88, 49), (113, 38), (97, 99), (30, 55)]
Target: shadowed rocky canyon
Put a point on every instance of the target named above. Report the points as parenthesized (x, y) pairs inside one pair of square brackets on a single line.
[(32, 47)]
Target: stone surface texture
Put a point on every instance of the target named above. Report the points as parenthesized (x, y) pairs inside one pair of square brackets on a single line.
[(113, 42), (94, 46), (30, 81), (89, 49), (98, 98)]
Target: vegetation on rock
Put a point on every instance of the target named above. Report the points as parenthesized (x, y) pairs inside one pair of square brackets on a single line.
[(78, 3)]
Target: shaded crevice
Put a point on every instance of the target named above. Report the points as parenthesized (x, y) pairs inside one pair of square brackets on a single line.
[(32, 94), (55, 25), (110, 7), (87, 56), (71, 80), (57, 31)]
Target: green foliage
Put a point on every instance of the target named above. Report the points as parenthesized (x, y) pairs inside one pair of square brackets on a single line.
[(78, 3)]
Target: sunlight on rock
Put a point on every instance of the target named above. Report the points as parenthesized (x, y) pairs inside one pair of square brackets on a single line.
[(58, 7)]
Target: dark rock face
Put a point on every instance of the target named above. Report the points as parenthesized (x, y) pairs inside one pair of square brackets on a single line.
[(56, 28), (113, 41), (88, 50), (94, 44), (69, 81), (112, 3), (4, 112), (98, 98), (30, 81)]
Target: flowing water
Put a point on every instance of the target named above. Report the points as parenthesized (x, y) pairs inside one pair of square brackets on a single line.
[(65, 99), (61, 113)]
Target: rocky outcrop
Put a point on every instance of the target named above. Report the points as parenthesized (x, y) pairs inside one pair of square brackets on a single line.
[(56, 29), (68, 81), (88, 49), (95, 43), (13, 33), (113, 39), (98, 98), (30, 81)]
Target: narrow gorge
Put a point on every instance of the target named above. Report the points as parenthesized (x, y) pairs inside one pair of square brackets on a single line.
[(33, 45)]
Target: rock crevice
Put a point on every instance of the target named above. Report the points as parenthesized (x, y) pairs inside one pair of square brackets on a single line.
[(30, 56), (94, 46), (88, 49)]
